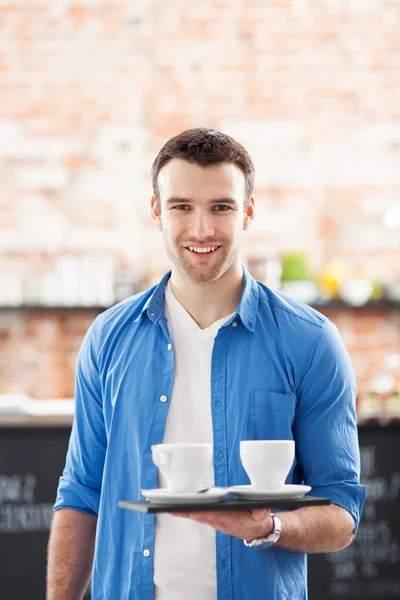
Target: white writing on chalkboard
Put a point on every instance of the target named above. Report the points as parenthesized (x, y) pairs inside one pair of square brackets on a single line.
[(17, 488), (18, 511), (378, 552), (368, 460), (383, 488), (376, 589), (19, 518), (374, 546)]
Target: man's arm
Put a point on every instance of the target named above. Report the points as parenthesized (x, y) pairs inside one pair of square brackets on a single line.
[(71, 545), (315, 529), (70, 554), (311, 529), (327, 451)]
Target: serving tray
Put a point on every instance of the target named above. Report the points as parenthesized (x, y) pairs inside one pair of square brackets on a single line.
[(145, 506)]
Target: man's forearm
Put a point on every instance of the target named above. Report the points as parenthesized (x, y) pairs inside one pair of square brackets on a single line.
[(70, 554), (316, 529)]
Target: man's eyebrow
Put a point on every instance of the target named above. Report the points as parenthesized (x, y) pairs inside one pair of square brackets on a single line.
[(177, 200), (224, 201)]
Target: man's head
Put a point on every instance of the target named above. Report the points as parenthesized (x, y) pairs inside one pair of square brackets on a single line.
[(203, 184), (204, 147)]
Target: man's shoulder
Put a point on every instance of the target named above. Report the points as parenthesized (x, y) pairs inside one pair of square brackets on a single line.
[(125, 311), (289, 310)]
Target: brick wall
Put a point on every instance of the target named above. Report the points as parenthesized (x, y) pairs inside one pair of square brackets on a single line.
[(90, 91), (38, 351)]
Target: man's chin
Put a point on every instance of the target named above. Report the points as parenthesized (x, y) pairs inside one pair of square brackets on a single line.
[(200, 275), (201, 278)]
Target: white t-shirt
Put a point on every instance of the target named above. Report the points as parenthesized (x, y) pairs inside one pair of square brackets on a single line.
[(184, 551)]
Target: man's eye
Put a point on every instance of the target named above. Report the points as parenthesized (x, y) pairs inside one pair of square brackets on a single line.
[(181, 207), (221, 208)]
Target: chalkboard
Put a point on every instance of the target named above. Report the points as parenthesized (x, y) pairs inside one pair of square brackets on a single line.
[(31, 461), (370, 567)]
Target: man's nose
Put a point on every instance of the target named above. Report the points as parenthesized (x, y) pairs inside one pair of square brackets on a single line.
[(202, 226)]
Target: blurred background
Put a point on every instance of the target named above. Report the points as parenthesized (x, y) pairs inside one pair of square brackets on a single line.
[(91, 90)]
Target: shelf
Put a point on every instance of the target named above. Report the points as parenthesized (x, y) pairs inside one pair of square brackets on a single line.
[(376, 305), (23, 421), (375, 425), (43, 308), (381, 305)]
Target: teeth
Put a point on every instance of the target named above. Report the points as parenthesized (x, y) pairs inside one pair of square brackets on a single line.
[(202, 250)]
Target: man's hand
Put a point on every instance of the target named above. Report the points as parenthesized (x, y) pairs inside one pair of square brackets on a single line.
[(310, 529), (244, 524)]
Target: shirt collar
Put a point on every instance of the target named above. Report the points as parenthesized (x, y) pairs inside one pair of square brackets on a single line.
[(247, 310), (248, 305), (154, 306)]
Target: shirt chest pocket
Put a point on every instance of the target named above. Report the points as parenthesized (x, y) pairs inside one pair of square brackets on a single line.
[(271, 415)]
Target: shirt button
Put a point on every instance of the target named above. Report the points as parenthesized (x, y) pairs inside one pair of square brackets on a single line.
[(163, 398), (234, 324), (146, 553), (169, 346), (219, 455)]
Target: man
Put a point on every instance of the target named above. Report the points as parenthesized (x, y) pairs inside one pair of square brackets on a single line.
[(208, 355)]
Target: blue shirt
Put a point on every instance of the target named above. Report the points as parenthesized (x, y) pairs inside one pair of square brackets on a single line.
[(279, 371)]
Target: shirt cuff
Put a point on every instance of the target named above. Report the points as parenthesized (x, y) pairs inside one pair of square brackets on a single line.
[(71, 494), (350, 496)]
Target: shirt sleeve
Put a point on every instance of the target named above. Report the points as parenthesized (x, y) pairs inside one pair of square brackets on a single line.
[(80, 484), (325, 425)]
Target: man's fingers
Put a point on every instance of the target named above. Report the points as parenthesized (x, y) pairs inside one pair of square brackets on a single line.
[(257, 514)]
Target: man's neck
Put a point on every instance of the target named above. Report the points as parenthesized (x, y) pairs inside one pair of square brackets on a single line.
[(209, 302)]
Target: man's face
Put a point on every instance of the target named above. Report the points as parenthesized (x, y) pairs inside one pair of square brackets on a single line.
[(202, 217)]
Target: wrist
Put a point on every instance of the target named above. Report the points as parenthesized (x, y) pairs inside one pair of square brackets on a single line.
[(269, 539), (268, 528)]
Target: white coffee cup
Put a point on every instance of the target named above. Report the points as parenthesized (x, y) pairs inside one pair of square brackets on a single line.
[(185, 467), (267, 462)]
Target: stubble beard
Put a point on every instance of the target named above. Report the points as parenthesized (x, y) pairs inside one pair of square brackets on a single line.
[(201, 273)]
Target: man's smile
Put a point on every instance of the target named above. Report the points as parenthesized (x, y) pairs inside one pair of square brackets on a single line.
[(202, 251)]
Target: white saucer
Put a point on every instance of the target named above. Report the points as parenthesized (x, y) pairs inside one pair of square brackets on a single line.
[(166, 496), (288, 491)]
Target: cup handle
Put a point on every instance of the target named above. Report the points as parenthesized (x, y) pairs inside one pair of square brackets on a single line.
[(161, 458)]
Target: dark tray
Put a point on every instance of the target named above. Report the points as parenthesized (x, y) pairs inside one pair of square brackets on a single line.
[(145, 506)]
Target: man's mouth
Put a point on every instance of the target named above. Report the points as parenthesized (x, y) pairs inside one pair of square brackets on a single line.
[(202, 250)]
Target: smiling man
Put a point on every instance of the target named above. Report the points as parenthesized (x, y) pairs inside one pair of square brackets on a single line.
[(203, 229), (207, 355)]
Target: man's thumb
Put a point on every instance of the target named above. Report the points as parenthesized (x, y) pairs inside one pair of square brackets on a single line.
[(259, 514)]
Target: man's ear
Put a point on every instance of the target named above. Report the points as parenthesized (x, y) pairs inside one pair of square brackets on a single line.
[(249, 214), (155, 214)]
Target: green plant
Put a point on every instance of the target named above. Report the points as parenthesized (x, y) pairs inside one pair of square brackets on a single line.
[(377, 290), (294, 267)]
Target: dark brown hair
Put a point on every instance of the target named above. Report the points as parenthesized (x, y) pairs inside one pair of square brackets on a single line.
[(204, 147)]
